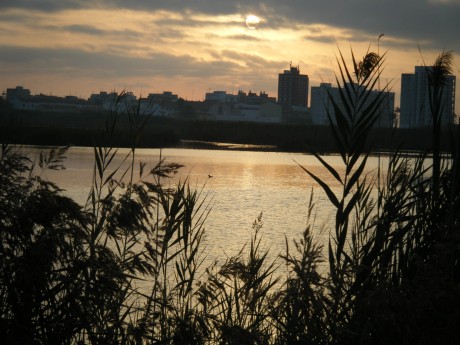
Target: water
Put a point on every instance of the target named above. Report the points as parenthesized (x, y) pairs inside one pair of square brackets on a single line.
[(239, 186)]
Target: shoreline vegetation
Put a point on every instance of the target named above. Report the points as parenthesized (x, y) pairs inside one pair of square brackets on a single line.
[(70, 274), (84, 128), (40, 129)]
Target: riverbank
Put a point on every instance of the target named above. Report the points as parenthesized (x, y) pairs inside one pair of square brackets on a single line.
[(206, 145), (87, 129)]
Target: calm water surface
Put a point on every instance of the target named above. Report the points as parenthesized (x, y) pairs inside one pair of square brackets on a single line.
[(243, 185)]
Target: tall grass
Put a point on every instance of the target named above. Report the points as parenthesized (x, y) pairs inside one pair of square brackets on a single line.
[(128, 266), (380, 246), (74, 273)]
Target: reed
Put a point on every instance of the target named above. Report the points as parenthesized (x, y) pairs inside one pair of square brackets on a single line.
[(73, 274), (377, 247), (299, 306)]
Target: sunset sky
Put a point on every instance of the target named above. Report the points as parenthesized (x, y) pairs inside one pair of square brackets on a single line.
[(80, 47)]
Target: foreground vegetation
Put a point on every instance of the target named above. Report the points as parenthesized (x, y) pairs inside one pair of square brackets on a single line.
[(126, 267)]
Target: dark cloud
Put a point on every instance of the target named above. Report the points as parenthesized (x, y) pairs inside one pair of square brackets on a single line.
[(202, 6), (249, 60), (435, 23), (78, 63), (83, 29), (243, 38), (44, 5), (187, 21), (321, 39), (91, 30)]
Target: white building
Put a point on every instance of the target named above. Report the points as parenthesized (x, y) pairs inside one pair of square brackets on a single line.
[(113, 101), (321, 104), (21, 99), (415, 99), (221, 96), (103, 99), (249, 107)]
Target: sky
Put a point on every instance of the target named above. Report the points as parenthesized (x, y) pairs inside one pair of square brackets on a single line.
[(78, 47)]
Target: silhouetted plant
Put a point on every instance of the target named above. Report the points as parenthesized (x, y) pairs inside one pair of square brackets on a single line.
[(298, 308), (41, 241), (378, 246), (437, 74), (236, 298), (354, 113), (74, 274), (144, 232)]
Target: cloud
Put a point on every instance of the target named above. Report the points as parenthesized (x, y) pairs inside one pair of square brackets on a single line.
[(445, 2), (83, 29), (183, 41), (43, 5), (320, 38), (77, 63), (202, 6), (243, 37), (434, 22), (247, 59)]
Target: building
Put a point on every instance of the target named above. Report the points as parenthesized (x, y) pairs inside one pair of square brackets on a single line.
[(415, 99), (254, 98), (250, 107), (220, 96), (113, 101), (165, 97), (21, 99), (103, 99), (293, 88), (159, 104), (17, 94), (241, 97), (321, 104)]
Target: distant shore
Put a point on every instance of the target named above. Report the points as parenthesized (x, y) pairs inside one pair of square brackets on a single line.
[(207, 145), (88, 129)]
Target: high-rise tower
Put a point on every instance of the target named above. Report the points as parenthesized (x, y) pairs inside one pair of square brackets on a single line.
[(293, 88), (415, 100)]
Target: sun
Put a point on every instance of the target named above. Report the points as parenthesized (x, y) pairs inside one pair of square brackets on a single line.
[(252, 22)]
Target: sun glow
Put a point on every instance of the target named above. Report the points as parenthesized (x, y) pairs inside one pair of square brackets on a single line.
[(252, 22)]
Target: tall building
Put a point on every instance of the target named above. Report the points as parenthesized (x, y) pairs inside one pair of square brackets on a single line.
[(293, 88), (321, 105), (415, 100)]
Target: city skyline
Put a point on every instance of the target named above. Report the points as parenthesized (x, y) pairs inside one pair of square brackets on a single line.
[(65, 47)]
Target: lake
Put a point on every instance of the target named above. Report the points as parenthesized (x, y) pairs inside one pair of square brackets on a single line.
[(239, 186)]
